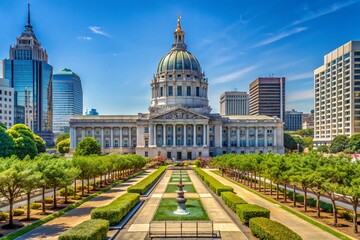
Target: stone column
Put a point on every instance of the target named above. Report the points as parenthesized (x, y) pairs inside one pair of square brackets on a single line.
[(229, 136), (164, 135), (112, 137), (194, 136), (185, 135), (174, 135), (207, 135), (237, 136), (72, 138), (265, 137), (151, 135), (121, 138), (93, 132), (155, 133), (256, 137), (130, 144), (274, 137), (247, 137), (83, 133), (102, 137), (204, 135), (221, 140)]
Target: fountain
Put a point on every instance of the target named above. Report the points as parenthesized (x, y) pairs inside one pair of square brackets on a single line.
[(181, 200)]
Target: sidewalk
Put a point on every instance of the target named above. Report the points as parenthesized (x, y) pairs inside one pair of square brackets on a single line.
[(52, 229), (306, 230)]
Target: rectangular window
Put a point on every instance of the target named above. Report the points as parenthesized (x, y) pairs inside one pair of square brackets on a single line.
[(188, 91), (146, 130), (161, 92), (198, 91), (179, 90), (171, 91)]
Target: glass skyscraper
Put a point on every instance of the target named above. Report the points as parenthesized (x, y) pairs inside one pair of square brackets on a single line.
[(31, 77), (67, 99)]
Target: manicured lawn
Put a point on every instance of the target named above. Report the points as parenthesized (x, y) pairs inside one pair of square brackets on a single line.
[(171, 188), (169, 205)]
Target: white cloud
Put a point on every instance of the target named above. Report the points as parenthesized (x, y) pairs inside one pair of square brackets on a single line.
[(280, 36), (322, 12), (300, 76), (234, 75), (300, 95), (84, 38), (97, 30)]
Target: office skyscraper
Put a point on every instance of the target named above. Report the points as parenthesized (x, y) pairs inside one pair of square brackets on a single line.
[(31, 77), (267, 97), (234, 103), (337, 94), (67, 99), (293, 120)]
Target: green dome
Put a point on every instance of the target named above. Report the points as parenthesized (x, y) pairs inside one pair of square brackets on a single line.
[(178, 60)]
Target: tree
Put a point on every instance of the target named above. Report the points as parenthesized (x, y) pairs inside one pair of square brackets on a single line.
[(339, 143), (6, 144), (289, 142), (88, 146), (40, 144), (308, 142), (12, 182), (63, 146), (62, 137), (354, 143), (323, 148)]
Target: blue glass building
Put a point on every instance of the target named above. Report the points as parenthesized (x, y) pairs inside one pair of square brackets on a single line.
[(67, 99), (31, 77)]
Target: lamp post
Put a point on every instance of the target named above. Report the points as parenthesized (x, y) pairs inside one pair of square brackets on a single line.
[(298, 149)]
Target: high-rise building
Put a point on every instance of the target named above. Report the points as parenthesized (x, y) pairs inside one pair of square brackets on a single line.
[(293, 120), (92, 112), (6, 103), (67, 99), (337, 94), (267, 97), (234, 103), (31, 77)]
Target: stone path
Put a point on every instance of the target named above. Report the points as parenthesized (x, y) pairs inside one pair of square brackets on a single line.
[(138, 229), (304, 229), (52, 229)]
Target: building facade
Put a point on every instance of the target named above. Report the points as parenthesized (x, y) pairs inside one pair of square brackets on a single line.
[(180, 124), (234, 103), (308, 121), (293, 120), (337, 94), (267, 97), (6, 103), (31, 77), (67, 99)]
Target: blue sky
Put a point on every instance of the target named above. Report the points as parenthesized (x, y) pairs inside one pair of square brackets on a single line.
[(115, 46)]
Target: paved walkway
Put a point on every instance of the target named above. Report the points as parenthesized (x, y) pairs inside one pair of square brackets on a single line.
[(52, 229), (138, 229), (298, 225)]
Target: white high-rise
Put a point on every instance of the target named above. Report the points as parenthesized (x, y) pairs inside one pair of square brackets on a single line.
[(234, 103), (337, 94), (6, 103)]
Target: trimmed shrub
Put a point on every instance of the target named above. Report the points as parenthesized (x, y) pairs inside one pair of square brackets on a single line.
[(232, 200), (94, 229), (18, 212), (216, 186), (117, 209), (33, 205), (247, 211), (266, 229), (145, 184), (2, 216), (70, 191), (197, 163), (49, 200)]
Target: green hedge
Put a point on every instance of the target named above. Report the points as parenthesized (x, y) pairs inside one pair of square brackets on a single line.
[(232, 200), (117, 209), (247, 211), (144, 185), (216, 186), (266, 229), (93, 229)]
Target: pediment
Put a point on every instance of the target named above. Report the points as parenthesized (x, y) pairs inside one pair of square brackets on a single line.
[(179, 113)]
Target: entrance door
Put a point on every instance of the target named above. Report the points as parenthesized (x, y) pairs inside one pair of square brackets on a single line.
[(179, 157), (189, 155)]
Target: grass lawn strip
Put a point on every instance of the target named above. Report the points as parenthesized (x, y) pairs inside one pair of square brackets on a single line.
[(177, 179), (40, 222), (167, 207), (171, 188), (309, 220)]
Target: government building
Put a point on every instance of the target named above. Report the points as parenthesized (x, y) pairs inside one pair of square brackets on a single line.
[(179, 124)]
